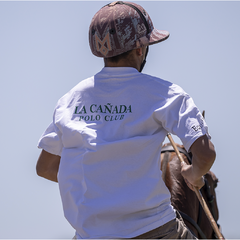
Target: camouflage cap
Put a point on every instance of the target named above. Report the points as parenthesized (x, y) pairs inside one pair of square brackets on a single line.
[(122, 26)]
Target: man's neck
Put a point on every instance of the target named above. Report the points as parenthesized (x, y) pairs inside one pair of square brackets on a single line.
[(134, 59), (120, 63)]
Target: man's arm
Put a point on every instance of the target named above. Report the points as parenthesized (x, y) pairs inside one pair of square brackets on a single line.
[(203, 158), (47, 165)]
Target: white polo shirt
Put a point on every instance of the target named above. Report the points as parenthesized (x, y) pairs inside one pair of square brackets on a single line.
[(108, 131)]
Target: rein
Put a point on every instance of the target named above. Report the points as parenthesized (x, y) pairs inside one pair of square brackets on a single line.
[(206, 189), (189, 219)]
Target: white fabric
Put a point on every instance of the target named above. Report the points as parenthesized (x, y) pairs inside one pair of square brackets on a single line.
[(108, 131)]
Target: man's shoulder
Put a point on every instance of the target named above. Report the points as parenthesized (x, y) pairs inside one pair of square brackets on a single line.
[(86, 83), (80, 87), (164, 84)]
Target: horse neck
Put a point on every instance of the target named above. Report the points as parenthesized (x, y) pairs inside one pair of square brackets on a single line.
[(182, 197)]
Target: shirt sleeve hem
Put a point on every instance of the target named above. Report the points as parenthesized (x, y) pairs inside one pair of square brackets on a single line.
[(49, 150), (194, 138)]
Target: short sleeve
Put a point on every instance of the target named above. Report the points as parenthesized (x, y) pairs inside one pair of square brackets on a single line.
[(181, 117), (51, 141)]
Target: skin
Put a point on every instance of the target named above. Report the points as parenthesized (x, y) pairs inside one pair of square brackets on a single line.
[(204, 155), (47, 165), (134, 59), (202, 149)]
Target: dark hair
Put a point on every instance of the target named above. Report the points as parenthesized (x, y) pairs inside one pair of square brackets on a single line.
[(117, 58)]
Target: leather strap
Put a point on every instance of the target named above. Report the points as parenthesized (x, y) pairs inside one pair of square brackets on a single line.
[(169, 148)]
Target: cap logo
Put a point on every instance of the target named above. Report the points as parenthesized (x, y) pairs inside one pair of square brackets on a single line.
[(100, 45)]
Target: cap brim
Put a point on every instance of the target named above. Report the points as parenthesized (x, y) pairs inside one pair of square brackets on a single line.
[(157, 36)]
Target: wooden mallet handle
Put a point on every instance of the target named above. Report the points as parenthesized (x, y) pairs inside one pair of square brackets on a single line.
[(198, 193)]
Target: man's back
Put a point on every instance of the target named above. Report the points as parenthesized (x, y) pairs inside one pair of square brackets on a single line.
[(111, 153)]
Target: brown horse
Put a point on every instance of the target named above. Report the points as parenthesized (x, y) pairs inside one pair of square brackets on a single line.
[(183, 198)]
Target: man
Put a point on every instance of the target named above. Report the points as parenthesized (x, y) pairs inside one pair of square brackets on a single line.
[(103, 146)]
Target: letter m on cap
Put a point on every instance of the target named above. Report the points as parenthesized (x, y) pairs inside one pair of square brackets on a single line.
[(100, 45)]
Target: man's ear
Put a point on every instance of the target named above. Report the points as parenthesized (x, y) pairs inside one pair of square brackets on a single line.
[(139, 51)]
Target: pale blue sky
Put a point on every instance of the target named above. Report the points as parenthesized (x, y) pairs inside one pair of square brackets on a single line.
[(44, 52)]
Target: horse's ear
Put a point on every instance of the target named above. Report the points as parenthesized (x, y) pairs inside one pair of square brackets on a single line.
[(203, 113)]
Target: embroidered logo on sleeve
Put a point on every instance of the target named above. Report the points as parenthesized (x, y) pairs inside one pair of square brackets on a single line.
[(199, 126), (107, 112)]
